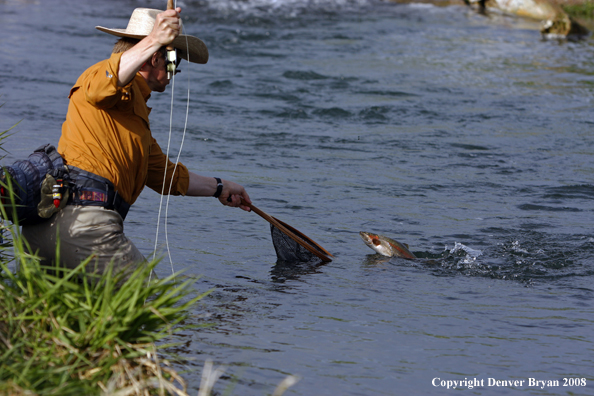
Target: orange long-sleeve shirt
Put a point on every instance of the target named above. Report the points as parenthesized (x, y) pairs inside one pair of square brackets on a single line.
[(107, 132)]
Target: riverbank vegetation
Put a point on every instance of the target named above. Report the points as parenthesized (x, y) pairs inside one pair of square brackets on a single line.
[(68, 333), (579, 9)]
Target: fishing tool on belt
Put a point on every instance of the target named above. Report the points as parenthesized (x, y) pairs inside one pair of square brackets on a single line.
[(290, 244), (55, 190)]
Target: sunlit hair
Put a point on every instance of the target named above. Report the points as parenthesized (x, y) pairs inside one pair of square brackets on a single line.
[(125, 43)]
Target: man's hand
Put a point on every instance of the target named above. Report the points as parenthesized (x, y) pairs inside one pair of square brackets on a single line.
[(167, 27), (234, 195)]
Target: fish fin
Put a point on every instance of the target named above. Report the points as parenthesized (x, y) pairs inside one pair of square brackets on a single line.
[(406, 244)]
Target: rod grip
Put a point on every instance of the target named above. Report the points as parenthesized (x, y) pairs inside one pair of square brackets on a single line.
[(170, 7)]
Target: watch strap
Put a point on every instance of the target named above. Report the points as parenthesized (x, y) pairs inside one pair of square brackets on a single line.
[(219, 188)]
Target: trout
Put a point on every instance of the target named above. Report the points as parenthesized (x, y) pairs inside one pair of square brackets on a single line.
[(386, 246)]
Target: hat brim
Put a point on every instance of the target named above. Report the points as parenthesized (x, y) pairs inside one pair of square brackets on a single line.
[(190, 48)]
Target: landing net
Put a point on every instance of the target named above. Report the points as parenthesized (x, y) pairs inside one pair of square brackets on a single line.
[(288, 250)]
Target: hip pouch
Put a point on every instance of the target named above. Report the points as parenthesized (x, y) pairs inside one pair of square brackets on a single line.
[(32, 190)]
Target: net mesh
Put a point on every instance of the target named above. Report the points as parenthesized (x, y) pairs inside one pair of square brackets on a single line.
[(290, 251)]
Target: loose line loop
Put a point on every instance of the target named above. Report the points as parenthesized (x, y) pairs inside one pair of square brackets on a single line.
[(176, 163)]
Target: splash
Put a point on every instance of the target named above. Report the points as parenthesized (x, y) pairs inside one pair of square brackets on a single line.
[(515, 247), (469, 255)]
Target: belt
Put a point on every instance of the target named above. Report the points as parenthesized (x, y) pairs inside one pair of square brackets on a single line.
[(89, 189)]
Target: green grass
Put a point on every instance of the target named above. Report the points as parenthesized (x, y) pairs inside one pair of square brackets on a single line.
[(72, 333)]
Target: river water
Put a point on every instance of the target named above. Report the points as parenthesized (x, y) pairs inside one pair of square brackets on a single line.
[(466, 136)]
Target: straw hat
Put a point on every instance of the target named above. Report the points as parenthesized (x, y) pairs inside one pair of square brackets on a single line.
[(141, 25)]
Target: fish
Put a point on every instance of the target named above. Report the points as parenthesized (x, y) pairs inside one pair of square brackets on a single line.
[(386, 246)]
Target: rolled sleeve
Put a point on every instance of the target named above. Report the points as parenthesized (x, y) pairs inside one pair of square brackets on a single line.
[(177, 177)]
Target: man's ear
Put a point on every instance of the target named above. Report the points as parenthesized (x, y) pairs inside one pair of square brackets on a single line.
[(155, 59), (150, 63)]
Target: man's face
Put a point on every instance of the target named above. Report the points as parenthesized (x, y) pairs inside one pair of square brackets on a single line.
[(157, 77)]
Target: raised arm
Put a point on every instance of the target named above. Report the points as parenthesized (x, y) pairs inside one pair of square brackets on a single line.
[(167, 28)]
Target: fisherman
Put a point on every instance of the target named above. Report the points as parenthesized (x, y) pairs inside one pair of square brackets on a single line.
[(110, 152)]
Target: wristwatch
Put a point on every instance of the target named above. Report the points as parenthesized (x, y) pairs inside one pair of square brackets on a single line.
[(219, 188)]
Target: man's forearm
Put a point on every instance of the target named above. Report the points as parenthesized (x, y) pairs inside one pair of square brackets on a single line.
[(133, 59), (201, 186)]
